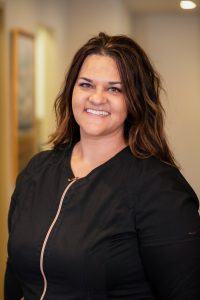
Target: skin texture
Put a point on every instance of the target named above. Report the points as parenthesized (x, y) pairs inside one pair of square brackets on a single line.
[(97, 131)]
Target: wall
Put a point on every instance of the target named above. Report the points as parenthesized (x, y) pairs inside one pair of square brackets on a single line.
[(88, 18), (173, 43), (30, 15), (45, 71)]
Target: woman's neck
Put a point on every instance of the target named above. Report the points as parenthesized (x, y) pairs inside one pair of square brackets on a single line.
[(93, 151)]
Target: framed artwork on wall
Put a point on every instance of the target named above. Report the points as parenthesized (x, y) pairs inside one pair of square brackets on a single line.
[(22, 98)]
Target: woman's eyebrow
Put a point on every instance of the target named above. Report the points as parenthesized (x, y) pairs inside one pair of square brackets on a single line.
[(87, 79), (114, 82), (110, 82)]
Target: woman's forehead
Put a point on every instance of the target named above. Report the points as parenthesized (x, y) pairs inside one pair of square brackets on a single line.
[(100, 67)]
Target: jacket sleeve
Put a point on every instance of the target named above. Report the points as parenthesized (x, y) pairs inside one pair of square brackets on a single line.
[(12, 286), (168, 227)]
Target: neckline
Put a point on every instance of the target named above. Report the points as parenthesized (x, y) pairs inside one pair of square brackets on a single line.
[(106, 163)]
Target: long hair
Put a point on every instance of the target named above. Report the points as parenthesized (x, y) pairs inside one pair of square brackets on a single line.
[(144, 125)]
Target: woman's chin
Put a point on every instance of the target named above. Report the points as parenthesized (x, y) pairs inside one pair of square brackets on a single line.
[(92, 132)]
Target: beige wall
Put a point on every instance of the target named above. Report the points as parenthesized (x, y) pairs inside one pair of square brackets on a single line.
[(88, 18), (173, 43), (52, 15)]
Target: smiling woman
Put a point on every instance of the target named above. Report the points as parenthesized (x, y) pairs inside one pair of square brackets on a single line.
[(100, 110), (99, 107), (134, 80), (106, 213)]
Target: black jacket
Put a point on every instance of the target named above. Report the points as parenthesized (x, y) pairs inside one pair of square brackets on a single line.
[(130, 230)]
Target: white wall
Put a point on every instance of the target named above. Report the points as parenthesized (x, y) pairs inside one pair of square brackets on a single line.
[(173, 43), (87, 18)]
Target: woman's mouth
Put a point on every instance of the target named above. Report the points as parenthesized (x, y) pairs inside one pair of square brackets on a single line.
[(95, 112)]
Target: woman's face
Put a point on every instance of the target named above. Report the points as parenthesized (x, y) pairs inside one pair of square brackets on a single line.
[(98, 101)]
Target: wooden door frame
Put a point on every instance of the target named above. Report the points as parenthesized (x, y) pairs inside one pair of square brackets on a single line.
[(15, 34)]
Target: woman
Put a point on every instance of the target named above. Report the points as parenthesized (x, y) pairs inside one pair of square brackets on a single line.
[(106, 213)]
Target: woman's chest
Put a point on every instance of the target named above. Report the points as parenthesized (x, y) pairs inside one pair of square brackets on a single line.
[(84, 234), (78, 212)]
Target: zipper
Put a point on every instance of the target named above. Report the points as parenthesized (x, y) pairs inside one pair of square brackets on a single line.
[(71, 180)]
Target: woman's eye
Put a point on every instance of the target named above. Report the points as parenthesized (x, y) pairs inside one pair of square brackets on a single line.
[(114, 89), (85, 84)]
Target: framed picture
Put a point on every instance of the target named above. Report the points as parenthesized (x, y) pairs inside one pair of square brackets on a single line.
[(22, 98)]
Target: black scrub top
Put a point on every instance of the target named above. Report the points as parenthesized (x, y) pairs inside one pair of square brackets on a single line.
[(128, 230)]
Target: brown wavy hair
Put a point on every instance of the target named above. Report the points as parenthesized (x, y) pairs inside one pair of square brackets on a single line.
[(144, 125)]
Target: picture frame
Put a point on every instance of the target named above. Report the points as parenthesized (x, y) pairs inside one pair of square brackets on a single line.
[(22, 98)]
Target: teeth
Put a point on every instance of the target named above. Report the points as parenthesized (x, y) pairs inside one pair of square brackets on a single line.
[(97, 112)]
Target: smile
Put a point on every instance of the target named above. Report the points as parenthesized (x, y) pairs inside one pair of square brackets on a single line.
[(97, 112)]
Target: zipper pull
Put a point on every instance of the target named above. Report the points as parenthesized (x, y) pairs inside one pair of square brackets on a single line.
[(73, 178)]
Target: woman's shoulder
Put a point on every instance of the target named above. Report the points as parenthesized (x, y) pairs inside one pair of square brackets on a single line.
[(38, 162), (43, 159), (156, 174), (153, 164), (167, 206)]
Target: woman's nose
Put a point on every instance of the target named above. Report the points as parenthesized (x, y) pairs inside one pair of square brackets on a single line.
[(97, 97)]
